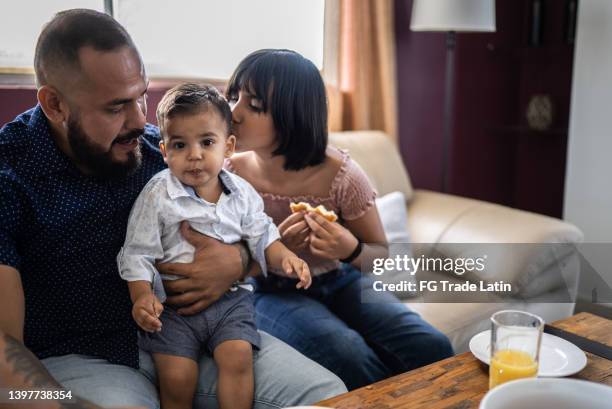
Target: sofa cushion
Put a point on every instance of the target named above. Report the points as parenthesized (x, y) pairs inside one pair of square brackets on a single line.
[(521, 245), (392, 210), (379, 158), (394, 218)]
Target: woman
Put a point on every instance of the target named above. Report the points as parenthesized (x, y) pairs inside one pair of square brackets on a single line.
[(280, 122)]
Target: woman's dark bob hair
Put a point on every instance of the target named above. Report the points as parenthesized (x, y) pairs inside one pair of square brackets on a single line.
[(291, 88)]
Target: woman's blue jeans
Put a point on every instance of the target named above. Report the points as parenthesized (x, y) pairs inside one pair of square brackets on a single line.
[(360, 342)]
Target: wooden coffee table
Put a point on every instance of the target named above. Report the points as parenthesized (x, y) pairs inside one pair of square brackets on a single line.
[(460, 382)]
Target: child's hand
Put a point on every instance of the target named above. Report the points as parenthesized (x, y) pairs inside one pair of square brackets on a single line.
[(146, 312), (329, 240), (296, 267)]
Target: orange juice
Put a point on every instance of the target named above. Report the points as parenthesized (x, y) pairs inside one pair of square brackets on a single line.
[(509, 364)]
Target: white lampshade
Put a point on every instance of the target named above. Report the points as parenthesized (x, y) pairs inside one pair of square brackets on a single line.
[(453, 15)]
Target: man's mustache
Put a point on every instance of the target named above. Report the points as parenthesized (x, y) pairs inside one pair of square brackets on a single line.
[(135, 133)]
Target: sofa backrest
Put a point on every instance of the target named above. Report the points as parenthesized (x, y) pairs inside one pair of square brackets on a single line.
[(377, 155)]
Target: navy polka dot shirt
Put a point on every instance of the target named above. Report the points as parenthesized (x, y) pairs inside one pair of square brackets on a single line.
[(62, 230)]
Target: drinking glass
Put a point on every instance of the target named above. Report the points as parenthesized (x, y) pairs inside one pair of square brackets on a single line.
[(515, 346)]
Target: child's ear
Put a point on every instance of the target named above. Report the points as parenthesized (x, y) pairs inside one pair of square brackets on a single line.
[(230, 146), (162, 148)]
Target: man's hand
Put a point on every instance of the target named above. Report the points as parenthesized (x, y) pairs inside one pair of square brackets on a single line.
[(146, 312), (296, 267), (215, 267), (329, 240), (294, 232)]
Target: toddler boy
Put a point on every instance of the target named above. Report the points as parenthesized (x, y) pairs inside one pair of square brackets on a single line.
[(195, 125)]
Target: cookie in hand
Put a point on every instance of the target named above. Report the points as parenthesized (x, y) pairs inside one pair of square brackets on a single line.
[(304, 206)]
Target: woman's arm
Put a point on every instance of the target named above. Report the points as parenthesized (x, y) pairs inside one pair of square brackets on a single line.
[(333, 241), (354, 198), (368, 229)]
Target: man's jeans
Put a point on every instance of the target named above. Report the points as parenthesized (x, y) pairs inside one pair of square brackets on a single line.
[(360, 342), (283, 377)]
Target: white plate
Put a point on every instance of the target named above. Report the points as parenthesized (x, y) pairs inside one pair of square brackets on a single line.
[(558, 357), (539, 393)]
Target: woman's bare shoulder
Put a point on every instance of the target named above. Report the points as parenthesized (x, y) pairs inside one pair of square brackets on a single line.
[(334, 160), (323, 176), (238, 162)]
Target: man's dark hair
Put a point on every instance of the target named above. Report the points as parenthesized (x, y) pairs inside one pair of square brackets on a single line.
[(189, 99), (57, 49), (291, 87)]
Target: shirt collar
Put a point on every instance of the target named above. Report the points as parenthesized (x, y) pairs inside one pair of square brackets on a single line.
[(227, 183), (177, 189)]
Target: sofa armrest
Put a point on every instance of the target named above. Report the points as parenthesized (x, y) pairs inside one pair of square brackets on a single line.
[(525, 246)]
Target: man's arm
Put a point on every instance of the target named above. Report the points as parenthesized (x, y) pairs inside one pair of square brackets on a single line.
[(19, 368), (12, 304), (250, 267), (215, 267)]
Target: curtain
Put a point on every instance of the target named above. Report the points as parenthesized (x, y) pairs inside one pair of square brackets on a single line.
[(361, 72)]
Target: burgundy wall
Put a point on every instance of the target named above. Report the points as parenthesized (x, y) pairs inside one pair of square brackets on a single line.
[(14, 101), (420, 74), (486, 98), (494, 156)]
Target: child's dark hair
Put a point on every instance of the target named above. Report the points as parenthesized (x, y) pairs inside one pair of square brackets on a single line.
[(190, 98), (291, 88)]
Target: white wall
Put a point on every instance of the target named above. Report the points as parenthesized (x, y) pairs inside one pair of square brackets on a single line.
[(588, 183)]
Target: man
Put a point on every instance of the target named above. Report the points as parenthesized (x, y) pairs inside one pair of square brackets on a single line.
[(70, 170)]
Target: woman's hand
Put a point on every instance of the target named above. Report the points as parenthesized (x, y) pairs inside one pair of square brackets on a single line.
[(215, 267), (294, 232), (146, 312), (329, 240)]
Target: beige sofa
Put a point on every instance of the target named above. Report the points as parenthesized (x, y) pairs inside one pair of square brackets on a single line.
[(436, 219)]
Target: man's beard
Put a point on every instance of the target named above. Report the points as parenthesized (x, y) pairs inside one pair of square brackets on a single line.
[(99, 162)]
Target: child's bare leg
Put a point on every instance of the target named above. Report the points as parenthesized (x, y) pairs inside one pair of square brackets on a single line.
[(235, 380), (178, 377)]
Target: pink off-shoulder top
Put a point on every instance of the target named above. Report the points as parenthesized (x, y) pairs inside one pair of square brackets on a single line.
[(350, 195)]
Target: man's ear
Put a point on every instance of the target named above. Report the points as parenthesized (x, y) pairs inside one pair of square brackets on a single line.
[(230, 146), (53, 105), (162, 148)]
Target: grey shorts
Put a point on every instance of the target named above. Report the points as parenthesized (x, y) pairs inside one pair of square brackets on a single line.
[(231, 317)]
